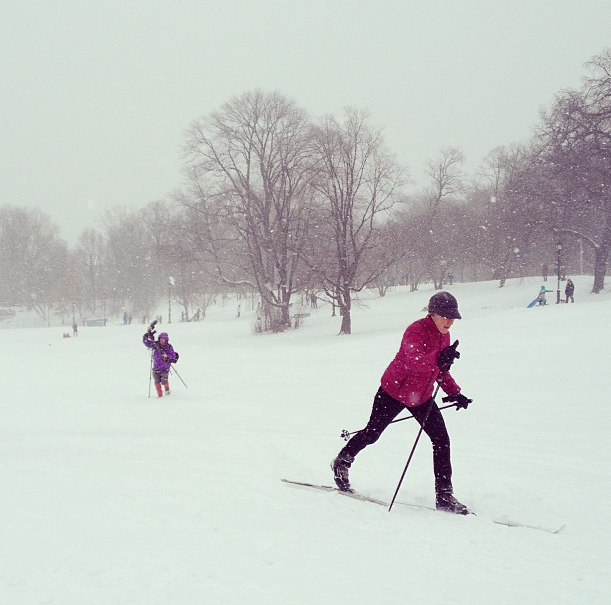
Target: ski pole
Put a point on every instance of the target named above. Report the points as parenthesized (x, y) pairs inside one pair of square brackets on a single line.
[(177, 374), (150, 374), (151, 330), (409, 459), (346, 435)]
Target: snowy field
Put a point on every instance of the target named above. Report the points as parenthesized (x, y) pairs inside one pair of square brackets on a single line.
[(110, 497)]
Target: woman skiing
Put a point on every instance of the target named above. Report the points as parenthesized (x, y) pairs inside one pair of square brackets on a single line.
[(163, 356), (423, 360)]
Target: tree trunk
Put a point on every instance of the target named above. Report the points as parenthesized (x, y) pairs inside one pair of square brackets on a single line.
[(345, 303), (601, 258), (600, 269), (346, 323)]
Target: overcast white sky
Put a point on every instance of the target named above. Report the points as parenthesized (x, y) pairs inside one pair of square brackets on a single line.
[(96, 96)]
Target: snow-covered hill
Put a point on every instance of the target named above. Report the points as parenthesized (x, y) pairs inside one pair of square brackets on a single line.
[(113, 498)]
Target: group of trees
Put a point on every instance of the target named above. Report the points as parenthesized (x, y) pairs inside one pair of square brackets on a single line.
[(275, 203), (288, 205)]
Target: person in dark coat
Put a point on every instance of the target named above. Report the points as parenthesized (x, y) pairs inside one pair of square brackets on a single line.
[(423, 360), (569, 290), (163, 356)]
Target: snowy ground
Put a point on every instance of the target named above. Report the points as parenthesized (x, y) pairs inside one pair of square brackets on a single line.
[(112, 498)]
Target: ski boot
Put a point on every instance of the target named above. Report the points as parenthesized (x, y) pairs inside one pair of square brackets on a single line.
[(447, 502), (340, 467)]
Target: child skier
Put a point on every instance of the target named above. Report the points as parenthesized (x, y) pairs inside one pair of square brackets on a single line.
[(163, 356), (540, 300)]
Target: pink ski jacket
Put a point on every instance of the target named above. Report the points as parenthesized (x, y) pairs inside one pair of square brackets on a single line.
[(412, 374)]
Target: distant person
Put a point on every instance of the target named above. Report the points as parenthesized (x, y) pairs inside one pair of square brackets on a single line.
[(545, 271), (423, 360), (569, 290), (163, 356), (313, 301), (540, 300), (74, 329), (239, 311), (450, 278)]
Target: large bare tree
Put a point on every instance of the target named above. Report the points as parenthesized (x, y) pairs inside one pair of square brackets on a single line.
[(32, 259), (576, 147), (256, 160)]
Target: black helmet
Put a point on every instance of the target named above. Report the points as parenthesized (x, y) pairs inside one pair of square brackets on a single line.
[(444, 304)]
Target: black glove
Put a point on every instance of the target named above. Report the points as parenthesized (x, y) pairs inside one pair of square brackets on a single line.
[(462, 402), (447, 356), (151, 329), (175, 358)]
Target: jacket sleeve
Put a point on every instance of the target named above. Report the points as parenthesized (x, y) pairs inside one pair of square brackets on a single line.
[(149, 340), (449, 385)]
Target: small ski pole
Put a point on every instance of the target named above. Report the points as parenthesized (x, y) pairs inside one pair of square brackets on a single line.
[(151, 330), (150, 374), (177, 374)]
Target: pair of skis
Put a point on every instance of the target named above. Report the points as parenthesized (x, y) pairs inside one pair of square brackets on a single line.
[(362, 497)]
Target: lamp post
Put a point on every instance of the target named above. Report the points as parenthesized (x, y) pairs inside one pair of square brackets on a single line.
[(558, 249), (170, 284), (73, 307), (104, 307)]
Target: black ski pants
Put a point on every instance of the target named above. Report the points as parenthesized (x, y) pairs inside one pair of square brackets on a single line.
[(385, 410)]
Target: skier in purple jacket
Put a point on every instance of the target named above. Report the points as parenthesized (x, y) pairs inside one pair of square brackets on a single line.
[(163, 356)]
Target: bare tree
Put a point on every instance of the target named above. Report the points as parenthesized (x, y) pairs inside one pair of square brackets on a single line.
[(509, 209), (90, 252), (359, 182), (256, 157), (133, 280), (576, 147), (211, 236), (32, 259), (445, 176)]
